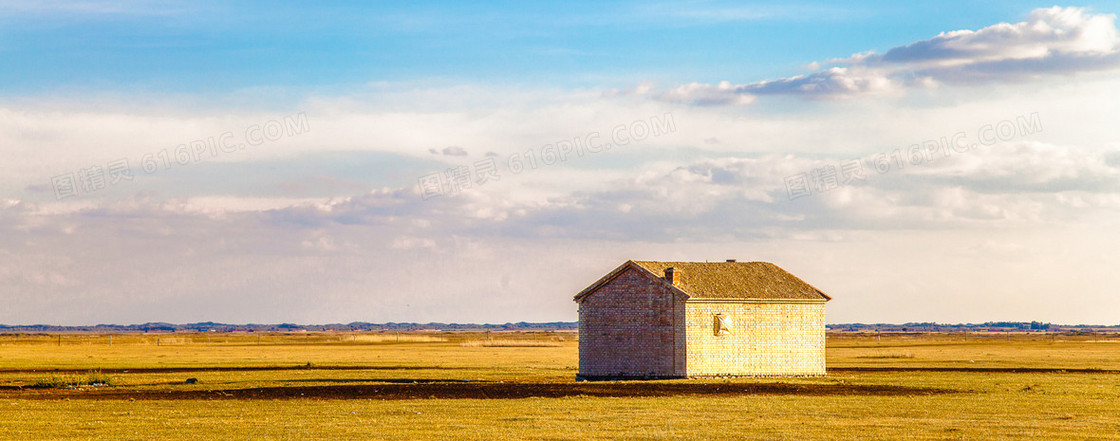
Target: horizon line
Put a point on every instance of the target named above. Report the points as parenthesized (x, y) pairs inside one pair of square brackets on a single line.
[(991, 323)]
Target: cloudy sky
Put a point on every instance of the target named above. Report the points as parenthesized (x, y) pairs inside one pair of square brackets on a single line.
[(248, 162)]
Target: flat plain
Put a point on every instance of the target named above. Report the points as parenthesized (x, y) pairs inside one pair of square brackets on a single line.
[(521, 385)]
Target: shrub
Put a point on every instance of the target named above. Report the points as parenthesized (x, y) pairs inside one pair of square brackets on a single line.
[(87, 379)]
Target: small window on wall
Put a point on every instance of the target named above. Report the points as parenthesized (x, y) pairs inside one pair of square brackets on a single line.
[(723, 324)]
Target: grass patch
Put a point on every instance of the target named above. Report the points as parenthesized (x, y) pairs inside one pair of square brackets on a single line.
[(509, 344), (65, 381), (887, 356), (396, 338)]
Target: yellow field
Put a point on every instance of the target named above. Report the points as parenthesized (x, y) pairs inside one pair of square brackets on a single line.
[(413, 386)]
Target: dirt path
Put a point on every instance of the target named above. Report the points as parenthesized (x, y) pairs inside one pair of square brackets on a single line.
[(168, 370), (974, 370), (479, 390), (171, 370)]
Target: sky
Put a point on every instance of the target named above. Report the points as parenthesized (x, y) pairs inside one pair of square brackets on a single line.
[(325, 162)]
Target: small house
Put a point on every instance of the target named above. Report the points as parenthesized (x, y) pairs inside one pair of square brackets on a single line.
[(686, 319)]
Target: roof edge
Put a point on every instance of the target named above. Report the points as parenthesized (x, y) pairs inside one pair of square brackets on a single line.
[(603, 280), (753, 300), (618, 271), (826, 296), (822, 296)]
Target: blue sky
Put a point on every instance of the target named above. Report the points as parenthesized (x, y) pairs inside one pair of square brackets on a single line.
[(216, 48), (253, 162)]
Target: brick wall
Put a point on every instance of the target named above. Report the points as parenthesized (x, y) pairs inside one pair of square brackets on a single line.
[(765, 339), (629, 328)]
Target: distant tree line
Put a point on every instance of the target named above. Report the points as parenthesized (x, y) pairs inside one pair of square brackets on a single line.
[(1034, 326), (291, 327), (971, 327)]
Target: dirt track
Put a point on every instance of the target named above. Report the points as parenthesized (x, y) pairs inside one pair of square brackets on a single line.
[(976, 370), (170, 370), (496, 390), (328, 367)]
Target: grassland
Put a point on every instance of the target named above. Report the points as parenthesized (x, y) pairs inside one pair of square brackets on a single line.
[(520, 386)]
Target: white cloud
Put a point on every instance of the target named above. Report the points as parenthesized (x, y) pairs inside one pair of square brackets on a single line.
[(214, 242), (390, 255), (832, 82), (409, 242), (707, 95), (1051, 41), (454, 151), (1019, 183), (1047, 33)]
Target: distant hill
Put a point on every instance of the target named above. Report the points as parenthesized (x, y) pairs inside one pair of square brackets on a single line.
[(971, 327), (289, 327), (526, 326)]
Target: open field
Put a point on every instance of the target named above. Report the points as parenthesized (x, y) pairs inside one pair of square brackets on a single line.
[(520, 385)]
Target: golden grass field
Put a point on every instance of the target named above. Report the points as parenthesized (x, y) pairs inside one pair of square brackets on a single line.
[(350, 386)]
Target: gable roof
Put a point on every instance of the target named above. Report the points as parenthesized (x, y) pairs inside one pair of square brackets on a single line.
[(722, 280)]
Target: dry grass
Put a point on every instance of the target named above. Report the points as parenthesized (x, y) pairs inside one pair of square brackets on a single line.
[(509, 344), (395, 338), (990, 404)]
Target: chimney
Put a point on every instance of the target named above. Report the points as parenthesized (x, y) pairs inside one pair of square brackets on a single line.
[(730, 260), (670, 275)]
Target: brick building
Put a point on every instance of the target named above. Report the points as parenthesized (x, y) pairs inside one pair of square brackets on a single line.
[(681, 319)]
